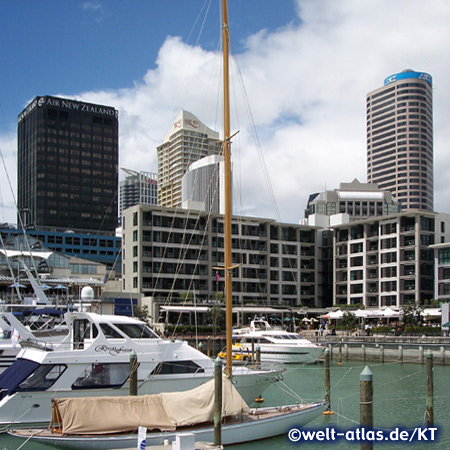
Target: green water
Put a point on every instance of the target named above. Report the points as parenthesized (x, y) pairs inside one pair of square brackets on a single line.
[(399, 401)]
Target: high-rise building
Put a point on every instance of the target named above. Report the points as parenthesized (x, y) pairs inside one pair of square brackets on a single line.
[(138, 188), (203, 185), (67, 165), (188, 141), (400, 138)]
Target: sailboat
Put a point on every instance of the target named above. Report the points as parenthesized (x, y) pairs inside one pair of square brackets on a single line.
[(240, 424)]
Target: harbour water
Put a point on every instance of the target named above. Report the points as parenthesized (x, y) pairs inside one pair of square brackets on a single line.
[(399, 401)]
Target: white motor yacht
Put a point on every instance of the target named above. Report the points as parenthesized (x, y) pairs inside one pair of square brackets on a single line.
[(94, 360), (277, 345)]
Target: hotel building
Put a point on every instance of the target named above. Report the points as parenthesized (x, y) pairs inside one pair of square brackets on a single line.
[(188, 141)]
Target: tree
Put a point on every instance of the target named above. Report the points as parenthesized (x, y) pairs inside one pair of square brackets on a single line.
[(141, 312), (216, 315), (349, 320), (411, 313)]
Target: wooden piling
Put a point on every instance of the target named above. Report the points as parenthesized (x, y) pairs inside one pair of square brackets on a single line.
[(382, 353), (363, 352), (400, 354), (340, 352), (327, 382), (366, 404), (421, 360), (133, 373), (218, 402), (258, 355), (429, 415)]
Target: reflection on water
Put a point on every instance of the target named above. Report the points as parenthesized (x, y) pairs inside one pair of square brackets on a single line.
[(399, 401)]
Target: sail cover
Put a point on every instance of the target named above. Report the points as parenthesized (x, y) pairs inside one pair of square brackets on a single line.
[(166, 411)]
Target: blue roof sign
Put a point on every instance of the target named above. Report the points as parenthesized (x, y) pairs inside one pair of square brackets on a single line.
[(409, 74)]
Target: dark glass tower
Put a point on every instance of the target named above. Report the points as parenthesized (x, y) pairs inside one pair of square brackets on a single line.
[(67, 172)]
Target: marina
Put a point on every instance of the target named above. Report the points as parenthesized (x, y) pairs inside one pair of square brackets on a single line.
[(399, 401)]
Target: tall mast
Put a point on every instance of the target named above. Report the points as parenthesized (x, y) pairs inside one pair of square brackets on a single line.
[(227, 163)]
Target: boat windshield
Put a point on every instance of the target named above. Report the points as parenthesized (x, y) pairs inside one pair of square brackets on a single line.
[(25, 375)]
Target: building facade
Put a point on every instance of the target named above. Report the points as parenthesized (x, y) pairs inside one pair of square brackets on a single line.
[(188, 141), (203, 185), (400, 139), (386, 261), (168, 251), (137, 187), (358, 200), (67, 166)]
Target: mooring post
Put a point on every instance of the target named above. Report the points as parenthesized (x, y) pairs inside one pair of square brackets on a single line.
[(253, 350), (366, 404), (340, 352), (429, 416), (327, 382), (363, 351), (400, 354), (382, 353), (133, 373), (258, 355), (421, 360), (218, 402), (346, 351), (208, 346)]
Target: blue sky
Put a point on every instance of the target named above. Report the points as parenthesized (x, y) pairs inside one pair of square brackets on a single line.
[(304, 68)]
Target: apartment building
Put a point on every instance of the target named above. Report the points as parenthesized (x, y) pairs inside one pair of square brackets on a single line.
[(167, 251), (386, 261)]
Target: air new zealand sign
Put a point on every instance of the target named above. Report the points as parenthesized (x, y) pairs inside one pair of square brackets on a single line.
[(62, 103)]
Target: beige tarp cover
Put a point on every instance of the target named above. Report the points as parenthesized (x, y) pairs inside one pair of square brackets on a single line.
[(100, 415)]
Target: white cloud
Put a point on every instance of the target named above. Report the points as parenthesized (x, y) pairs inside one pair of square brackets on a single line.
[(306, 85)]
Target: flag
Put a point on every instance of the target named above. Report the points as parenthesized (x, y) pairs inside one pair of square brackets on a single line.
[(217, 277)]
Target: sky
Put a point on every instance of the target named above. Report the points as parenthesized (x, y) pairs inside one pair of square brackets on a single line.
[(300, 71)]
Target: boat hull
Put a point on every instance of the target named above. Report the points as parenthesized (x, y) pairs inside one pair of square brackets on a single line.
[(31, 409), (255, 428), (290, 355)]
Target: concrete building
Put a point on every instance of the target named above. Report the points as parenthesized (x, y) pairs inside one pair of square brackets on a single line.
[(169, 251), (203, 185), (400, 139), (387, 261), (67, 166), (137, 187), (188, 141), (358, 200)]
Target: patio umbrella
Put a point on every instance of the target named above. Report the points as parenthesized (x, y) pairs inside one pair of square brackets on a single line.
[(60, 286), (447, 325), (17, 285)]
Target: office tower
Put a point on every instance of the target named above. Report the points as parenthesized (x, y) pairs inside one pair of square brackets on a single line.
[(400, 138), (188, 141), (203, 185), (67, 165), (137, 188)]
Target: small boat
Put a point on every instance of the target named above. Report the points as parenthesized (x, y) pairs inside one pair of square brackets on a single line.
[(241, 353), (278, 345), (112, 422)]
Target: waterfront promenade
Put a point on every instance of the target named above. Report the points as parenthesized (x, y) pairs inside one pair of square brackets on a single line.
[(358, 346)]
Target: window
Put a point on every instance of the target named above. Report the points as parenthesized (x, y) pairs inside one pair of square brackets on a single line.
[(174, 367), (100, 376), (43, 377)]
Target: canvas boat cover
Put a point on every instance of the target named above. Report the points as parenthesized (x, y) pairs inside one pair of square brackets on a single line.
[(165, 411)]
